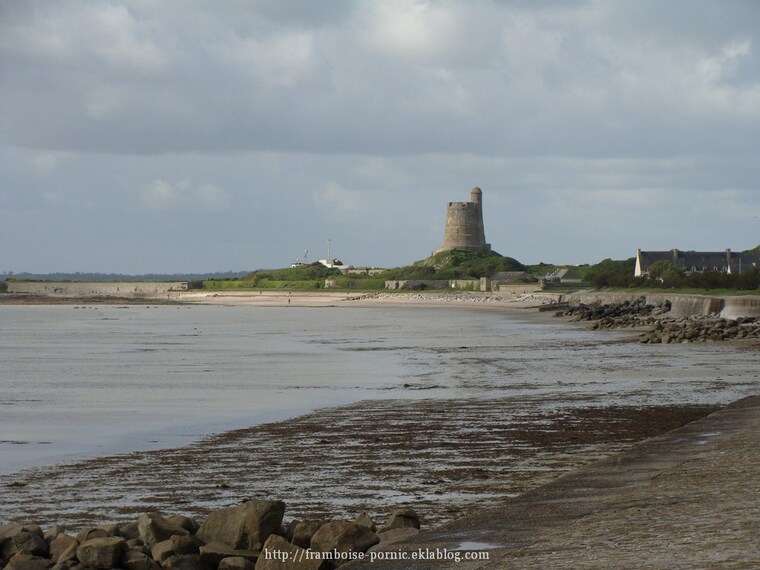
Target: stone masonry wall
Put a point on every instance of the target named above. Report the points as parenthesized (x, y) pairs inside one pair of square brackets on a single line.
[(92, 289)]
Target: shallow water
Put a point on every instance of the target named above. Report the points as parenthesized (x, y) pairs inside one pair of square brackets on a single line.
[(98, 380)]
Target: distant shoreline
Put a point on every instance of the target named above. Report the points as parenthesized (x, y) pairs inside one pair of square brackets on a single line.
[(15, 299), (279, 298)]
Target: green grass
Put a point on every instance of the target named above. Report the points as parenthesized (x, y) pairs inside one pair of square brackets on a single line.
[(455, 264), (299, 284), (311, 272), (225, 284), (303, 277), (358, 283)]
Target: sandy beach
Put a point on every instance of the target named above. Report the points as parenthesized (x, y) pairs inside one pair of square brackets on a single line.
[(284, 298), (358, 299)]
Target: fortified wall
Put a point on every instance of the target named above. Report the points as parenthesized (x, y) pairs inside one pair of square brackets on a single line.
[(464, 225), (94, 289)]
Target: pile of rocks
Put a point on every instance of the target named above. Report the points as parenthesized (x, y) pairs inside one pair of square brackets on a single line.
[(617, 315), (702, 329), (247, 536), (662, 326)]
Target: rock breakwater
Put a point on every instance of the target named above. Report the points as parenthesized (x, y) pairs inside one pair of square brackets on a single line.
[(661, 324), (242, 537)]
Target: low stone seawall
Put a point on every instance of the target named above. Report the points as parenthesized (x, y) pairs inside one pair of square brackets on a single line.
[(741, 307), (521, 289), (681, 305), (92, 289)]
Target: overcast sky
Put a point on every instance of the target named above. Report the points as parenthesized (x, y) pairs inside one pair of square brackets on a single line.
[(181, 136)]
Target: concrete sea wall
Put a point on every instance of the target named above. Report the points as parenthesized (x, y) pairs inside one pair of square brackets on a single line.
[(91, 289), (681, 305)]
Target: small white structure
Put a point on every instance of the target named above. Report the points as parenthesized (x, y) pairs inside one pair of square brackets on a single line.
[(331, 263)]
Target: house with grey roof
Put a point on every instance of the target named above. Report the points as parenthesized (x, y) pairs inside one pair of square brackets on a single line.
[(699, 261)]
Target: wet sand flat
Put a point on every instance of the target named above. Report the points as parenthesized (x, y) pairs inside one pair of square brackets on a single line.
[(686, 499), (446, 458)]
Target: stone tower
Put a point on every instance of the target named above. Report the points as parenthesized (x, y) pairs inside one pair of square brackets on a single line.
[(464, 225)]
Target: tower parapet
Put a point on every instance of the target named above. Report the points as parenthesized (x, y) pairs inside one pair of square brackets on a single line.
[(464, 225)]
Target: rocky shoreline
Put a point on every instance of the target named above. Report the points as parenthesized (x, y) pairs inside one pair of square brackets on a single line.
[(660, 325), (243, 537)]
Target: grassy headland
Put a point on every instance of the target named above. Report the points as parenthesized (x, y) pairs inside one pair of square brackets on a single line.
[(464, 265), (442, 266)]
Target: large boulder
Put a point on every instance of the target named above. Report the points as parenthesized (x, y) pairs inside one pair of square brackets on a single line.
[(289, 528), (23, 561), (245, 526), (136, 560), (128, 530), (91, 532), (186, 562), (102, 553), (112, 529), (343, 537), (54, 531), (154, 528), (136, 543), (71, 565), (279, 554), (7, 532), (303, 532), (186, 544), (34, 529), (215, 552), (31, 543), (404, 517), (397, 534), (60, 544), (365, 520), (161, 551), (236, 563), (185, 522), (68, 556), (175, 546)]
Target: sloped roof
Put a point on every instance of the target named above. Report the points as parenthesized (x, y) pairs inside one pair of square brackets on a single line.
[(748, 258), (703, 260), (510, 276), (570, 273), (699, 260)]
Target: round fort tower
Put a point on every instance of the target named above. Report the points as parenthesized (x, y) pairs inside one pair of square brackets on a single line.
[(464, 225)]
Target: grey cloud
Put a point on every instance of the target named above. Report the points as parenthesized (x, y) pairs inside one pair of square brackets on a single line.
[(532, 84), (297, 121)]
